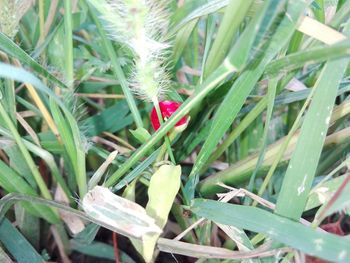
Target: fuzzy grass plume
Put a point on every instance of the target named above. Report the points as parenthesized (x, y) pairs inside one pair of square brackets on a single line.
[(140, 25), (11, 12)]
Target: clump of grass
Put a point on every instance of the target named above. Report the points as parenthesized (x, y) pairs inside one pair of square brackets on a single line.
[(269, 131)]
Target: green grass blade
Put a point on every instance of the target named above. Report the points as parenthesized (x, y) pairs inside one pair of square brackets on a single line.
[(338, 202), (64, 130), (248, 119), (9, 98), (182, 38), (314, 55), (251, 43), (68, 32), (16, 243), (319, 194), (47, 157), (310, 241), (100, 250), (69, 129), (233, 17), (302, 167), (271, 93), (24, 151), (8, 46), (194, 10), (12, 182), (240, 90), (22, 75), (137, 171), (282, 149), (50, 161), (319, 10), (341, 14)]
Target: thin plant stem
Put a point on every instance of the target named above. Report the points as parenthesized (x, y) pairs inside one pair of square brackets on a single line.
[(41, 20), (37, 177), (68, 42), (284, 146), (166, 137)]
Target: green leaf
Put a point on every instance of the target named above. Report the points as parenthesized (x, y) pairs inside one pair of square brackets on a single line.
[(18, 246), (162, 190), (141, 134), (181, 40), (107, 120), (193, 10), (314, 55), (88, 235), (239, 92), (341, 203), (137, 171), (271, 93), (303, 164), (14, 183), (8, 46), (235, 13), (310, 241)]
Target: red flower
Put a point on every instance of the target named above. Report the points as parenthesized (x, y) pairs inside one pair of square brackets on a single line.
[(167, 109)]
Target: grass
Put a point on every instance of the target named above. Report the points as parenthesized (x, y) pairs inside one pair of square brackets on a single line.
[(260, 169)]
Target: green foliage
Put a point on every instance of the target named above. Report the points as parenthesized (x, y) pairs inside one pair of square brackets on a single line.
[(269, 115), (281, 229)]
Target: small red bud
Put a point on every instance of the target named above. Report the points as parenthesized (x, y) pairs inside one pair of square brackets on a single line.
[(167, 108)]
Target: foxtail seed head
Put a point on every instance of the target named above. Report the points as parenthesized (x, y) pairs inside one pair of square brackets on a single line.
[(140, 25), (11, 12)]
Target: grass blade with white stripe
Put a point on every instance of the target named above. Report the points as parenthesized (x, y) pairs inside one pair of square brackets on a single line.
[(303, 164), (289, 232)]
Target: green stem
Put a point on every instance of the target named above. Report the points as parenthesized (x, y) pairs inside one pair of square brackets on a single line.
[(41, 20), (234, 15), (166, 138), (68, 42), (284, 146), (271, 93), (248, 119), (34, 170)]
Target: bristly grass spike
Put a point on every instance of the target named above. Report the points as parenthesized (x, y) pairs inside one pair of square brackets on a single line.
[(140, 26)]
